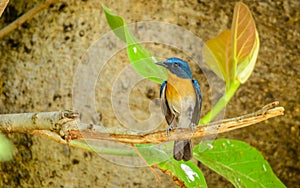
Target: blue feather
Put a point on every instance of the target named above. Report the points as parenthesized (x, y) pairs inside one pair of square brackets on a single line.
[(197, 86), (162, 87), (179, 67)]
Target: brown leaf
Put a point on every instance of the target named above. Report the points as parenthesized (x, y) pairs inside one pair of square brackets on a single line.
[(243, 32)]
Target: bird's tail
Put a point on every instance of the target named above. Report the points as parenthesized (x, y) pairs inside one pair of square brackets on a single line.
[(182, 150)]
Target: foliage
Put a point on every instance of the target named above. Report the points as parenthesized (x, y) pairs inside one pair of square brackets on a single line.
[(7, 149), (238, 162), (141, 59), (232, 56)]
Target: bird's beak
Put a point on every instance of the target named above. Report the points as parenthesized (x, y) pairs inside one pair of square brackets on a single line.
[(161, 64)]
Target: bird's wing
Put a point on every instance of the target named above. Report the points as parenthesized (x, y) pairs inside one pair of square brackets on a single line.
[(164, 104), (198, 105)]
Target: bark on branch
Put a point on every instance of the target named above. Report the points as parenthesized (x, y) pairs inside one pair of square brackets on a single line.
[(27, 122)]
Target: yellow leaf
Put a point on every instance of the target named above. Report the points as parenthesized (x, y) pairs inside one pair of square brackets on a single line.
[(233, 53), (217, 54)]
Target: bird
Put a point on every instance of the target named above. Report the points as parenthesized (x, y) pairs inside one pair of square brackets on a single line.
[(181, 101)]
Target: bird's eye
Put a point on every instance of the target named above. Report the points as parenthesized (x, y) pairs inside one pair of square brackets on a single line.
[(176, 64)]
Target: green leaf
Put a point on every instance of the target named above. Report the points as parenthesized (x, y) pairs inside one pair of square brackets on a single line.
[(187, 172), (7, 149), (141, 59), (155, 154), (238, 162), (115, 22)]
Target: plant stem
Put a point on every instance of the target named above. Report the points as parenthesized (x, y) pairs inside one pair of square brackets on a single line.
[(223, 101), (83, 145)]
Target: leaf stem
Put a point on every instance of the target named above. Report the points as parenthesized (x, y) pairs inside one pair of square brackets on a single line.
[(223, 101)]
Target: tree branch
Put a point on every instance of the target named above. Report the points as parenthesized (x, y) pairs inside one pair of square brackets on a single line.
[(27, 122), (22, 19), (130, 137), (3, 4), (67, 124)]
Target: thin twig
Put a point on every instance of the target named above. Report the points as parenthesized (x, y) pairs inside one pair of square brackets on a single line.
[(28, 15), (144, 161), (3, 4)]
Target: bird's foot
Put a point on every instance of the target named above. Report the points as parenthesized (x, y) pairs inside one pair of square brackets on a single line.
[(192, 127), (169, 129)]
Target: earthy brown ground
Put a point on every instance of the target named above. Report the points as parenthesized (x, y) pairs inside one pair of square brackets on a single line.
[(39, 59)]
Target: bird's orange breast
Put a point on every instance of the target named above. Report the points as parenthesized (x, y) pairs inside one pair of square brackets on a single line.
[(179, 88)]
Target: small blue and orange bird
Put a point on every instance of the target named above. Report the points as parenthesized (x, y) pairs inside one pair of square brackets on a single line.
[(181, 103)]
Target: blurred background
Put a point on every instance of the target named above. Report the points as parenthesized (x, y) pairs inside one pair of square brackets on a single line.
[(39, 59)]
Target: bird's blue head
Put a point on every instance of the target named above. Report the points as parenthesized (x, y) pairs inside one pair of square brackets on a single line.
[(178, 67)]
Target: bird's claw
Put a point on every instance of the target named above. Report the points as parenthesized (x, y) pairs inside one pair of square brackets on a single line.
[(169, 129)]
